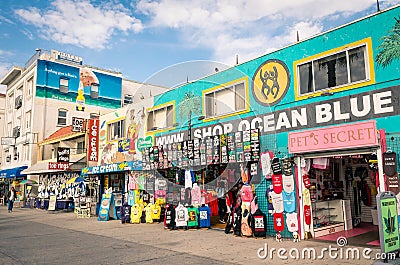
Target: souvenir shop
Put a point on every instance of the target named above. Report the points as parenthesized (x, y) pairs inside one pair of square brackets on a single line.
[(204, 172), (339, 181)]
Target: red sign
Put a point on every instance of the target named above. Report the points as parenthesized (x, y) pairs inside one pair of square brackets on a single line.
[(93, 144), (360, 134), (58, 166)]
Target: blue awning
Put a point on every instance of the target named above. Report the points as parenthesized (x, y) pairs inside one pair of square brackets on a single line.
[(12, 172)]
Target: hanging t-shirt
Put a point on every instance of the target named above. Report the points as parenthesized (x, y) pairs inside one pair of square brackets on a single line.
[(247, 193), (288, 183), (289, 201), (307, 214), (306, 197), (245, 225), (277, 202), (306, 181), (259, 222), (141, 182), (279, 223), (291, 222), (131, 197), (266, 164), (276, 166), (148, 211), (204, 216), (193, 217), (132, 184), (156, 212), (181, 216), (277, 183), (189, 178), (169, 217), (244, 174), (269, 198), (136, 214), (196, 195)]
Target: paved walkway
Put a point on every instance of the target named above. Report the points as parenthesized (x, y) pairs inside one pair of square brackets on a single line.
[(32, 236)]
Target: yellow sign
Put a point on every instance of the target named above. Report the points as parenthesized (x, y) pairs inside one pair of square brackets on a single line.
[(271, 82)]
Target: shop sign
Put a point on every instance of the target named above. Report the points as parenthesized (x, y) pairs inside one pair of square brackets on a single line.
[(77, 124), (355, 108), (388, 222), (143, 143), (8, 141), (390, 170), (93, 140), (360, 134), (123, 145), (115, 167), (63, 154), (58, 166)]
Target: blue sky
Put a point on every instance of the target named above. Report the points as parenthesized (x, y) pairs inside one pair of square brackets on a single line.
[(166, 41)]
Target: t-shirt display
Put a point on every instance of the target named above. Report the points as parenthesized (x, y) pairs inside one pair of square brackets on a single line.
[(169, 217), (156, 212), (204, 216), (258, 223), (193, 220), (148, 211), (289, 201), (181, 216), (136, 214)]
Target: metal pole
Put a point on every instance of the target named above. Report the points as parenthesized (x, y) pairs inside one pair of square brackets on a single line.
[(190, 126)]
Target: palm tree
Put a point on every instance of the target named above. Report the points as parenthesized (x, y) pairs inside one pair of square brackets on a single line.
[(189, 104), (390, 47)]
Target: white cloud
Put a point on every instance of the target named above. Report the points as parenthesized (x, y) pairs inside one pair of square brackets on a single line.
[(249, 28), (80, 23)]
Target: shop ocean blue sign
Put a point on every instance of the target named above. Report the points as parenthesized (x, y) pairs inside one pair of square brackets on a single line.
[(115, 167)]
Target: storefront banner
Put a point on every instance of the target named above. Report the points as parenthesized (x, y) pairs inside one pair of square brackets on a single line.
[(390, 170), (93, 141), (77, 124), (58, 166), (388, 222), (360, 134), (116, 167), (364, 106)]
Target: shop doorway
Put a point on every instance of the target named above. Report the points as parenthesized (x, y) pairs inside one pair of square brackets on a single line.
[(343, 190)]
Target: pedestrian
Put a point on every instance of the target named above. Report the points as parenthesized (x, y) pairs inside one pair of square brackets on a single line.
[(11, 198)]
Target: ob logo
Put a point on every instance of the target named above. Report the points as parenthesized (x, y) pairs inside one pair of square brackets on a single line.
[(271, 82)]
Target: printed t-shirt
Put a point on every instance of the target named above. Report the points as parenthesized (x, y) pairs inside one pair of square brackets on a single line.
[(277, 202), (204, 216), (193, 213), (277, 183), (181, 215), (288, 183), (156, 212), (306, 197), (279, 224), (307, 214), (289, 201), (291, 222), (247, 194), (148, 210), (136, 214)]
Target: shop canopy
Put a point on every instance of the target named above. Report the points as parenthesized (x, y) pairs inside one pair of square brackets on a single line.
[(77, 162), (13, 172)]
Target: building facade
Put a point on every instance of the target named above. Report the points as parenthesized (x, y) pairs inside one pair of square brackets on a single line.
[(326, 108), (45, 95)]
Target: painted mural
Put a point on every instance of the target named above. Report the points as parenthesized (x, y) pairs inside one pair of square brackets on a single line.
[(389, 50), (128, 147)]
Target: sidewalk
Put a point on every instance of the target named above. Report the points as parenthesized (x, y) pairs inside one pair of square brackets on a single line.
[(212, 243)]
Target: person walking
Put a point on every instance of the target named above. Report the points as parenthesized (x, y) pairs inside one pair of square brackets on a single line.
[(11, 198)]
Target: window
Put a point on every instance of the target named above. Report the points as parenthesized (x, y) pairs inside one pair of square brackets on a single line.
[(335, 70), (160, 118), (28, 117), (94, 90), (128, 99), (116, 130), (226, 100), (18, 102), (80, 147), (26, 152), (29, 87), (94, 115), (62, 117), (64, 84)]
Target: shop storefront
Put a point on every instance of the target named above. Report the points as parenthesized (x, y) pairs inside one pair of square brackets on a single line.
[(11, 178), (338, 169)]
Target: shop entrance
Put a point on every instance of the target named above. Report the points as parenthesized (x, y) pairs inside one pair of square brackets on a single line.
[(343, 191)]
